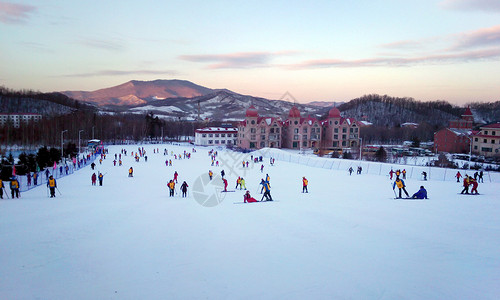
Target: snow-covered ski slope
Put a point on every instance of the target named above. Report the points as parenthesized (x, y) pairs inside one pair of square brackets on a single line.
[(346, 239)]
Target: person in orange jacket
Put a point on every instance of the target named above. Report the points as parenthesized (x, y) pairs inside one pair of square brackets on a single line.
[(474, 184), (305, 182), (466, 185), (171, 186)]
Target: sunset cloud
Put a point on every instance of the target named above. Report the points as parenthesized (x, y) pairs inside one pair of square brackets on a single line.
[(109, 45), (468, 5), (242, 60), (12, 13), (479, 38), (122, 73)]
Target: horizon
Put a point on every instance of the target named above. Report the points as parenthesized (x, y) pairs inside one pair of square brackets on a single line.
[(324, 51)]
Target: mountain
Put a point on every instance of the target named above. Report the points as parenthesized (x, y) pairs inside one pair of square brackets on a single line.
[(140, 92), (325, 103), (223, 105)]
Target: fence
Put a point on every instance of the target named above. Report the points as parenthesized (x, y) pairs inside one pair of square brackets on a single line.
[(368, 167)]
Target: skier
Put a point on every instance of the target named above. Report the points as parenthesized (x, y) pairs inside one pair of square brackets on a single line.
[(93, 178), (421, 194), (465, 185), (35, 178), (304, 185), (262, 182), (14, 187), (225, 184), (248, 198), (458, 176), (401, 186), (262, 168), (131, 172), (404, 173), (474, 184), (238, 183), (184, 188), (1, 188), (242, 184), (267, 192), (171, 186), (222, 173), (424, 174), (210, 174), (100, 178), (92, 165), (480, 177), (350, 171), (52, 184), (175, 176), (391, 172)]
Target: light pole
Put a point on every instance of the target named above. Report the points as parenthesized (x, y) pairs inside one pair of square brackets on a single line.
[(79, 143), (62, 144), (360, 148), (470, 148)]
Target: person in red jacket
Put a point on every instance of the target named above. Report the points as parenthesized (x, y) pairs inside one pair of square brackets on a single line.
[(225, 184), (474, 184), (94, 178), (248, 198), (458, 176), (304, 185), (175, 176)]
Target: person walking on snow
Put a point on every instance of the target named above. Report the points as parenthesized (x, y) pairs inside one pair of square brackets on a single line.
[(14, 187), (93, 178), (100, 178), (242, 184), (304, 185), (465, 185), (184, 189), (458, 176), (421, 194), (130, 172), (350, 171), (210, 174), (401, 186), (52, 185), (474, 184), (175, 176), (171, 186), (262, 168), (267, 192)]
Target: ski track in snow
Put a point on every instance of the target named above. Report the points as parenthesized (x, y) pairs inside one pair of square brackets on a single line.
[(346, 238)]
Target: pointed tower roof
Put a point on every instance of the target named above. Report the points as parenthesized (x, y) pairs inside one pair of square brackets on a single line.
[(251, 112), (467, 112), (334, 113), (294, 112)]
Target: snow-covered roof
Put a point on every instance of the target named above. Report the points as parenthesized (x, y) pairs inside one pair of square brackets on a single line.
[(217, 130)]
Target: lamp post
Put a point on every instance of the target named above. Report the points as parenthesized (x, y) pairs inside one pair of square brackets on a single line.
[(360, 148), (470, 148), (79, 143), (62, 143)]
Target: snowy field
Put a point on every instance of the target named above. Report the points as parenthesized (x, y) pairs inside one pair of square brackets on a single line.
[(348, 238)]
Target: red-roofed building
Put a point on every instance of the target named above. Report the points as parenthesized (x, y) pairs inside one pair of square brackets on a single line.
[(487, 141), (338, 132), (301, 132), (259, 132), (456, 138)]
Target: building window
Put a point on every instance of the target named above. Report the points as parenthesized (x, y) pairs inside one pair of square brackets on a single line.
[(235, 135), (296, 137), (295, 130), (210, 141), (475, 147), (210, 135), (262, 144), (223, 141), (296, 122), (351, 130), (216, 141), (486, 132), (277, 130), (492, 141), (304, 144), (305, 130), (335, 144), (484, 149), (335, 136), (344, 137), (304, 137), (493, 133), (204, 135), (272, 130), (252, 137), (485, 140), (344, 130), (336, 122), (344, 143), (295, 144), (336, 130), (262, 130), (253, 130), (262, 137), (216, 135), (222, 135), (476, 139), (252, 122)]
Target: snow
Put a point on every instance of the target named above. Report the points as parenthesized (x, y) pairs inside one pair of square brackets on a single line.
[(165, 109), (347, 238)]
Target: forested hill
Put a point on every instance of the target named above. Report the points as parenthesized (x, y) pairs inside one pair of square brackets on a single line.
[(392, 111), (40, 103)]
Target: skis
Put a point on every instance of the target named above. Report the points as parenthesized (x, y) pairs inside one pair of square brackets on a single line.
[(469, 194), (255, 202), (409, 198), (227, 191)]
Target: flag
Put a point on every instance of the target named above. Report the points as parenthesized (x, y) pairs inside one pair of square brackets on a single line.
[(14, 170), (55, 165)]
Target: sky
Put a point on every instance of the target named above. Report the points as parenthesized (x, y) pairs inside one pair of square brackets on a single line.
[(315, 51)]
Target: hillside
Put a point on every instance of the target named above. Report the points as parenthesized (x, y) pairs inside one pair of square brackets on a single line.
[(140, 92)]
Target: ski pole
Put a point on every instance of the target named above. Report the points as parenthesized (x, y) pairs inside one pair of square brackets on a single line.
[(58, 191), (47, 192), (6, 194), (394, 192)]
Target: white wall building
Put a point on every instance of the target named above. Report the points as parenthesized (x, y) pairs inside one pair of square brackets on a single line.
[(17, 119), (215, 136)]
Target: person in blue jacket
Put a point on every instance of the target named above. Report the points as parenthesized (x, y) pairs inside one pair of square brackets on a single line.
[(421, 194)]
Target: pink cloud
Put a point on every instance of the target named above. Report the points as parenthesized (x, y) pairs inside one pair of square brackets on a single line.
[(12, 13), (239, 60), (479, 38), (467, 5)]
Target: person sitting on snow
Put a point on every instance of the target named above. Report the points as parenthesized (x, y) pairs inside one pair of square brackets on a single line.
[(248, 198), (421, 194)]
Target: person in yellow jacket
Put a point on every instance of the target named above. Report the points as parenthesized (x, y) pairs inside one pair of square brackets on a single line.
[(242, 184), (52, 184), (171, 186), (401, 186), (14, 187), (304, 185), (210, 174), (131, 172)]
